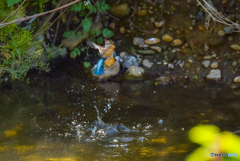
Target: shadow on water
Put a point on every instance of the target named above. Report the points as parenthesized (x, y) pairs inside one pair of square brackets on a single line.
[(72, 119)]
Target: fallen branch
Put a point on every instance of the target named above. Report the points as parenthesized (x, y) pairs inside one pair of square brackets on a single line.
[(38, 15), (218, 17)]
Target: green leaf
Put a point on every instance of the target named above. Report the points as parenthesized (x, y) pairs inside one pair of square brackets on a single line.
[(12, 2), (107, 33), (77, 7), (86, 24), (98, 32), (68, 33), (100, 40), (87, 64), (78, 52), (73, 54)]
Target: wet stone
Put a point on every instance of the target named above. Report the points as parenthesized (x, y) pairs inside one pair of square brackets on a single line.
[(167, 38), (142, 12), (235, 47), (207, 57), (120, 10), (156, 48), (147, 63), (177, 42), (134, 72), (214, 74), (137, 41), (170, 66), (206, 63), (234, 63), (214, 64), (122, 30), (155, 31), (221, 33), (152, 41), (237, 79), (146, 52), (163, 80)]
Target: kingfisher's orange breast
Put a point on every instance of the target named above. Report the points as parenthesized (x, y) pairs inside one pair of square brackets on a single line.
[(109, 51), (110, 61)]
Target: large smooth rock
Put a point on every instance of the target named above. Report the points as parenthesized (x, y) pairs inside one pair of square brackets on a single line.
[(235, 46), (206, 63), (167, 38), (237, 79), (147, 63), (214, 74), (134, 73), (120, 10)]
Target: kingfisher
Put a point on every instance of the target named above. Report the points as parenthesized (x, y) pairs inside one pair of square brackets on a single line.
[(108, 66)]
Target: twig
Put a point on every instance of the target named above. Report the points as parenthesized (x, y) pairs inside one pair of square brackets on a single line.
[(38, 15), (50, 17), (55, 36), (112, 16), (14, 11), (49, 25)]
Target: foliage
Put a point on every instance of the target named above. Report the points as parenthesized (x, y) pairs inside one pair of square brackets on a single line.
[(75, 52), (12, 2), (87, 64), (212, 141), (18, 51), (86, 11)]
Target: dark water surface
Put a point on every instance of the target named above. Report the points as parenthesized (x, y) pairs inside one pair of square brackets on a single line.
[(57, 119)]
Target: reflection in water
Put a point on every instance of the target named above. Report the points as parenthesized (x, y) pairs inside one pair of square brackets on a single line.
[(76, 120)]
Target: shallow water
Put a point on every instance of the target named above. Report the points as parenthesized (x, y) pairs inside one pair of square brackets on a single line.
[(56, 119)]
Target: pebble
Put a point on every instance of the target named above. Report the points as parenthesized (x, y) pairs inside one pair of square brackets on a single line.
[(156, 48), (207, 57), (181, 65), (237, 79), (163, 80), (214, 74), (159, 24), (230, 38), (123, 54), (146, 52), (170, 66), (112, 25), (155, 31), (234, 63), (147, 63), (142, 12), (221, 33), (152, 41), (167, 38), (122, 30), (137, 40), (206, 63), (177, 42), (235, 47), (214, 64)]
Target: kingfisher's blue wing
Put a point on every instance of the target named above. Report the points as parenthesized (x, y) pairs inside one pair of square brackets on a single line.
[(100, 68)]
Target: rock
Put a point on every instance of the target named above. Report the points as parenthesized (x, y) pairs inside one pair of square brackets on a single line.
[(221, 33), (229, 29), (214, 74), (123, 54), (137, 40), (237, 79), (143, 45), (206, 63), (230, 38), (177, 42), (181, 65), (156, 48), (129, 60), (163, 80), (214, 64), (235, 47), (207, 57), (159, 24), (234, 63), (112, 25), (142, 12), (147, 63), (152, 41), (167, 38), (122, 30), (146, 52), (120, 10), (134, 73), (170, 66), (155, 31)]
